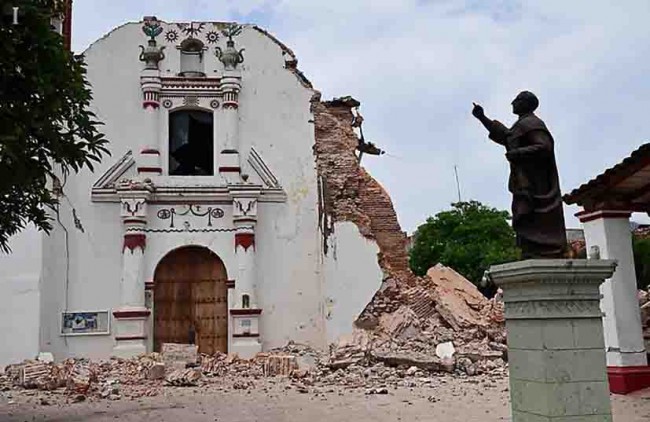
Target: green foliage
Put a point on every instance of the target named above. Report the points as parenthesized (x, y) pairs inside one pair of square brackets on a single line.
[(45, 124), (468, 238), (641, 248)]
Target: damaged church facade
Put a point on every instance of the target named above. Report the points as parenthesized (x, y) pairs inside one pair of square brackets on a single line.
[(212, 220)]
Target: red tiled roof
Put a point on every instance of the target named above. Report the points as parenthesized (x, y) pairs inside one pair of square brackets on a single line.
[(627, 181)]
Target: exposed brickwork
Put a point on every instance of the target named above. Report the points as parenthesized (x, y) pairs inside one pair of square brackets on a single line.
[(350, 193)]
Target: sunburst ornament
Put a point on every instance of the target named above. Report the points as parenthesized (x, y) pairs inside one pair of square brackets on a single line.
[(212, 37), (171, 35), (191, 29)]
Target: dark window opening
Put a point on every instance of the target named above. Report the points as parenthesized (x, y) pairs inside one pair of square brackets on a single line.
[(245, 301), (191, 143)]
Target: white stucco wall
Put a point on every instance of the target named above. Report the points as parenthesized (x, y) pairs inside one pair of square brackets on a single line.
[(619, 303), (20, 273), (293, 278), (352, 276)]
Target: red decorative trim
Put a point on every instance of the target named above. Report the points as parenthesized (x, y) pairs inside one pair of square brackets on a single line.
[(245, 335), (134, 240), (227, 169), (229, 151), (150, 151), (67, 26), (131, 314), (152, 104), (625, 379), (149, 285), (245, 311), (150, 170), (126, 338), (245, 220), (230, 284), (135, 221), (245, 240), (586, 216)]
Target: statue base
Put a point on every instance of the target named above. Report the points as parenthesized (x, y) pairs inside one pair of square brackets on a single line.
[(556, 349)]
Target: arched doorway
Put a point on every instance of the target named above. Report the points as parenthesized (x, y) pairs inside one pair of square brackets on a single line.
[(191, 299)]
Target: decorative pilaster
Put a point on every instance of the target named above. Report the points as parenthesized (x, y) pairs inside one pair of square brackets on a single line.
[(556, 351), (229, 158), (132, 315), (245, 312), (151, 84), (610, 232)]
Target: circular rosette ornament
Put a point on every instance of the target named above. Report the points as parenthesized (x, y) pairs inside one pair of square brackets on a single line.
[(212, 37), (171, 36)]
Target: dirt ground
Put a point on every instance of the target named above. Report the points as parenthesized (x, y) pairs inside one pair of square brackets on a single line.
[(444, 399)]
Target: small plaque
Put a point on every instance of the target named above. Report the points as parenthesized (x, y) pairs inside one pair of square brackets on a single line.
[(85, 323)]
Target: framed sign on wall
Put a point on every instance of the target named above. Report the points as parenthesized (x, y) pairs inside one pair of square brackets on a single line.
[(85, 323)]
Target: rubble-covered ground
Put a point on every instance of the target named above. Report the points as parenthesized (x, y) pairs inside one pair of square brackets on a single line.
[(444, 398), (292, 383)]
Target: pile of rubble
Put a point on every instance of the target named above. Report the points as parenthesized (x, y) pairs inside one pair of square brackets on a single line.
[(442, 324), (349, 366)]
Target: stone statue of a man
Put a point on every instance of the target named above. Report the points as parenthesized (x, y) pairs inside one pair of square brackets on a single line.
[(537, 215)]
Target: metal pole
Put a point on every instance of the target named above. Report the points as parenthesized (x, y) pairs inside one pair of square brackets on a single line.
[(457, 182)]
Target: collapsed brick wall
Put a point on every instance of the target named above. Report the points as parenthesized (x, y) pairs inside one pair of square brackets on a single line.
[(349, 193)]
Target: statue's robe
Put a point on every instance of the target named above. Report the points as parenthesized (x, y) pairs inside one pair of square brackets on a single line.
[(537, 215)]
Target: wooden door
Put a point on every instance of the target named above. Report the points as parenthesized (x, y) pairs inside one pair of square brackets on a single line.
[(191, 293)]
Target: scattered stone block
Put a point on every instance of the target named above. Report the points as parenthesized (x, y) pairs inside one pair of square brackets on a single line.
[(280, 365), (156, 371), (177, 355), (445, 350), (184, 377), (45, 357)]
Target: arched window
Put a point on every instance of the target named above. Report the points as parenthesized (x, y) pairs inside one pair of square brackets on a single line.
[(192, 58), (191, 143)]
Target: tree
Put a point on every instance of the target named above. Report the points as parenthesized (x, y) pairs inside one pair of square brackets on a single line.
[(46, 127), (468, 238)]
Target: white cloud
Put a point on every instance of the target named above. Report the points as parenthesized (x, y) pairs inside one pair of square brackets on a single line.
[(416, 66)]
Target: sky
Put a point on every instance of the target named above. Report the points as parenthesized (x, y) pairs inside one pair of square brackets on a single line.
[(417, 66)]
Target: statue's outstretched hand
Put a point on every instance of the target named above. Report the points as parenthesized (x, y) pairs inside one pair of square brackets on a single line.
[(478, 111)]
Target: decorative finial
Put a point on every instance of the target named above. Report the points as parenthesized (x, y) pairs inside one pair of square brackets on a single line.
[(231, 30), (151, 54), (230, 57), (152, 27)]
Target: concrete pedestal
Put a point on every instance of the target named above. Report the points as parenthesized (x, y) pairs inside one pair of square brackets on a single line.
[(556, 349)]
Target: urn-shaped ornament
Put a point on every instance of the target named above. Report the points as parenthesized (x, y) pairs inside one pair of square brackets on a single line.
[(230, 57), (151, 54)]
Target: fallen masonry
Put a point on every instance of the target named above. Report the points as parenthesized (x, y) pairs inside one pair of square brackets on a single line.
[(409, 316), (298, 366)]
